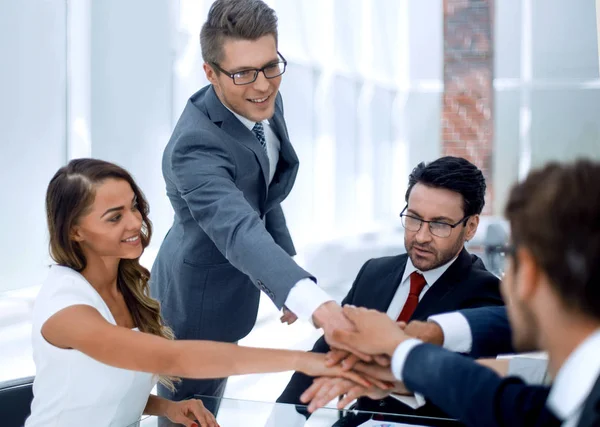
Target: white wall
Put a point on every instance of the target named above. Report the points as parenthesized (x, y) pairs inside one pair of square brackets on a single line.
[(32, 131)]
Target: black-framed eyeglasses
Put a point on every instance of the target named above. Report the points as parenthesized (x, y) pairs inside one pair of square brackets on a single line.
[(437, 228), (245, 77)]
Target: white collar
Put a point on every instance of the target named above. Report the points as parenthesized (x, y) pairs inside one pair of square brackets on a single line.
[(576, 378), (246, 122), (431, 276)]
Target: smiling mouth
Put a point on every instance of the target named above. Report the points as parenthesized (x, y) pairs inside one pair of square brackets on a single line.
[(259, 100), (132, 239)]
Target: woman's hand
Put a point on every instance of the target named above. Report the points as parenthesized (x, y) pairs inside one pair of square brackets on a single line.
[(313, 364), (186, 411)]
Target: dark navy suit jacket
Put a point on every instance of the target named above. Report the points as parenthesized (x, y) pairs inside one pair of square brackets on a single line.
[(478, 397), (491, 331)]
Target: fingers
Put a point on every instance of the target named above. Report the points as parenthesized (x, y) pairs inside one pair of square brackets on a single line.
[(381, 384), (352, 313), (401, 325), (352, 394), (353, 376), (288, 316), (310, 393), (321, 398), (382, 360), (329, 391), (335, 356), (375, 371), (349, 362), (204, 416)]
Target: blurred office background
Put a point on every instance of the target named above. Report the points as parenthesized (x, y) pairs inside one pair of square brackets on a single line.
[(372, 88)]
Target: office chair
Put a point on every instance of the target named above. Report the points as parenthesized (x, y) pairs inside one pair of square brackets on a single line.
[(15, 401)]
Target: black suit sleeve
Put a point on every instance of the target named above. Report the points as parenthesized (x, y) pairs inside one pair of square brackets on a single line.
[(470, 392), (491, 331), (299, 381)]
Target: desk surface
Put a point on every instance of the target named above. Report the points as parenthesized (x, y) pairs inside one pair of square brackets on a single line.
[(235, 412)]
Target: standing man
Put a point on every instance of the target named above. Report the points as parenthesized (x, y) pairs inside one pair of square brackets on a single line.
[(228, 166)]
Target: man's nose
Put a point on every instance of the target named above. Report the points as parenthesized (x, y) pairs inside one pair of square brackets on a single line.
[(261, 83), (423, 235)]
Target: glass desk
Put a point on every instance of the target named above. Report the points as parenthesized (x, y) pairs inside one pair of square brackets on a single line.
[(235, 412)]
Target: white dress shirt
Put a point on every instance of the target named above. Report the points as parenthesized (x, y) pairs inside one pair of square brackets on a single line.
[(458, 336), (401, 295), (397, 304), (306, 296), (575, 380), (273, 143)]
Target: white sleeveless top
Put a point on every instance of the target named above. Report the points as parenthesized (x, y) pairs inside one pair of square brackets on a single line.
[(70, 388)]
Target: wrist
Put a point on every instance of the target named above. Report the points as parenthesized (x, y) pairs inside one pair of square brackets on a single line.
[(323, 312), (166, 408), (434, 334), (298, 361), (393, 345)]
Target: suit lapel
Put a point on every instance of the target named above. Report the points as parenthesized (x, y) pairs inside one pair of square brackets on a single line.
[(222, 117), (434, 297), (385, 289), (287, 167)]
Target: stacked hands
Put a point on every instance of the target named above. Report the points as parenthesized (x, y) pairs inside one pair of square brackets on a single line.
[(359, 364)]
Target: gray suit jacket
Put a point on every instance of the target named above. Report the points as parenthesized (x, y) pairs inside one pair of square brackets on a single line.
[(229, 237)]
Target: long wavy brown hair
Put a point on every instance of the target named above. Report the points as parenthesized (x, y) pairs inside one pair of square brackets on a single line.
[(70, 195)]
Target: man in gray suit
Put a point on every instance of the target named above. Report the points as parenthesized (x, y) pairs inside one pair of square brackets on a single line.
[(228, 166)]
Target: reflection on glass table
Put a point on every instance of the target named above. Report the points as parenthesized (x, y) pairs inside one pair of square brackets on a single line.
[(235, 412)]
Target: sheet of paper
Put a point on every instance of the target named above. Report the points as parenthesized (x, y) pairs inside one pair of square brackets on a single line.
[(375, 423), (415, 401)]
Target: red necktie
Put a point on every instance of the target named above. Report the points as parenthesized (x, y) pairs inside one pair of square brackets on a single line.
[(417, 283)]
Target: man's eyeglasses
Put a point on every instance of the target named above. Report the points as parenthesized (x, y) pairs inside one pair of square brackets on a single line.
[(437, 228), (245, 77)]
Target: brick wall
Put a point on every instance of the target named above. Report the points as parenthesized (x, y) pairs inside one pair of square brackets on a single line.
[(467, 114)]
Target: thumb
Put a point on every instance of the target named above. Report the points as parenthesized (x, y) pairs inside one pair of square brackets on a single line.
[(401, 325)]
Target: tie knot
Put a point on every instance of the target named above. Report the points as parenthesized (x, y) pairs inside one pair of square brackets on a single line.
[(417, 283)]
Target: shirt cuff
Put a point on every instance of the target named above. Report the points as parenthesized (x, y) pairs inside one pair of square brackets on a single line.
[(400, 355), (457, 332), (304, 298)]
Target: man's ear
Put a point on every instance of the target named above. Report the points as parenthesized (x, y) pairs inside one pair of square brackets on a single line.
[(211, 74), (526, 276), (471, 227)]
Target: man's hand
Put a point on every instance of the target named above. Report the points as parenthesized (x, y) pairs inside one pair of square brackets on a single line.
[(323, 390), (375, 371), (330, 317), (348, 360), (374, 332), (429, 332), (288, 317)]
